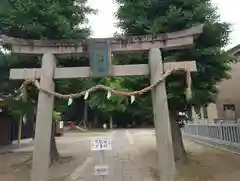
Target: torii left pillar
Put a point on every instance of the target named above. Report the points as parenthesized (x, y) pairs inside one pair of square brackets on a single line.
[(41, 156)]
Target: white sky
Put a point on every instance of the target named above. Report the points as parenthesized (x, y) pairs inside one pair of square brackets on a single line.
[(103, 23)]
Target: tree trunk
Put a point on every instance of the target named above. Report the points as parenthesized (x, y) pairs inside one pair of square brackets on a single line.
[(54, 154), (110, 123), (180, 155), (95, 120), (190, 115), (85, 117)]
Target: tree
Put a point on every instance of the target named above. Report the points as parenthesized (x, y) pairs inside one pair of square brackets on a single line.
[(41, 19), (159, 16), (53, 146), (116, 103)]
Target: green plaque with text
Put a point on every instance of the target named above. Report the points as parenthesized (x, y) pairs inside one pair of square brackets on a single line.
[(99, 58)]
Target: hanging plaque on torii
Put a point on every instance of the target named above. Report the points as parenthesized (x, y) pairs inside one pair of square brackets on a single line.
[(100, 57)]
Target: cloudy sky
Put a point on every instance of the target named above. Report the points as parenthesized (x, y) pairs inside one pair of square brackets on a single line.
[(103, 24)]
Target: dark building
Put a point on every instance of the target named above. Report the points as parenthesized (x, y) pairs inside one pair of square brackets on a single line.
[(9, 125), (5, 124)]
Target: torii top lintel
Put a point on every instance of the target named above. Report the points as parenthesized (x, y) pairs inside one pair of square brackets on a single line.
[(179, 39)]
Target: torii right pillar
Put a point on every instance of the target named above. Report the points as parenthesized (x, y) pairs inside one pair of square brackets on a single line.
[(165, 152)]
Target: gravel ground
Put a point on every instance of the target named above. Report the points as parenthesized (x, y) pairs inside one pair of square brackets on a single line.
[(205, 163)]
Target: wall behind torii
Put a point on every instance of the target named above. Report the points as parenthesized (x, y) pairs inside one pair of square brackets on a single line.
[(227, 105), (229, 94)]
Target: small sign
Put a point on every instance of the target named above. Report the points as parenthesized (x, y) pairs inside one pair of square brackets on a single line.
[(101, 170), (24, 119), (61, 124), (99, 58), (101, 143)]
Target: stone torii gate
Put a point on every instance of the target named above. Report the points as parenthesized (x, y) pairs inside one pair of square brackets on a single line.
[(51, 49)]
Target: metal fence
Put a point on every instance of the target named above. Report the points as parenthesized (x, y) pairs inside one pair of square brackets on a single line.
[(228, 133)]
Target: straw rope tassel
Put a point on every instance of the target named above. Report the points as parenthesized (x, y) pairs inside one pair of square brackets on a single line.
[(189, 85)]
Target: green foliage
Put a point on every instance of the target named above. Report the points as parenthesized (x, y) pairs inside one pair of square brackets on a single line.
[(116, 103), (51, 19), (54, 19), (159, 16), (41, 19), (56, 116), (17, 107)]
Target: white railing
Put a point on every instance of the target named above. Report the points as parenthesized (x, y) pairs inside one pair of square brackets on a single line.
[(225, 132)]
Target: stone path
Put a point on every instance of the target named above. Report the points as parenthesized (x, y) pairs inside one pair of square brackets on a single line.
[(122, 166), (133, 158)]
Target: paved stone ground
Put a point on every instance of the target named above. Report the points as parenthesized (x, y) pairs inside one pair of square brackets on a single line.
[(14, 168), (121, 160), (122, 166), (133, 158)]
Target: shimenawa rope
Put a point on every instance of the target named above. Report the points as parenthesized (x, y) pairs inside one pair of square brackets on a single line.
[(109, 89)]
